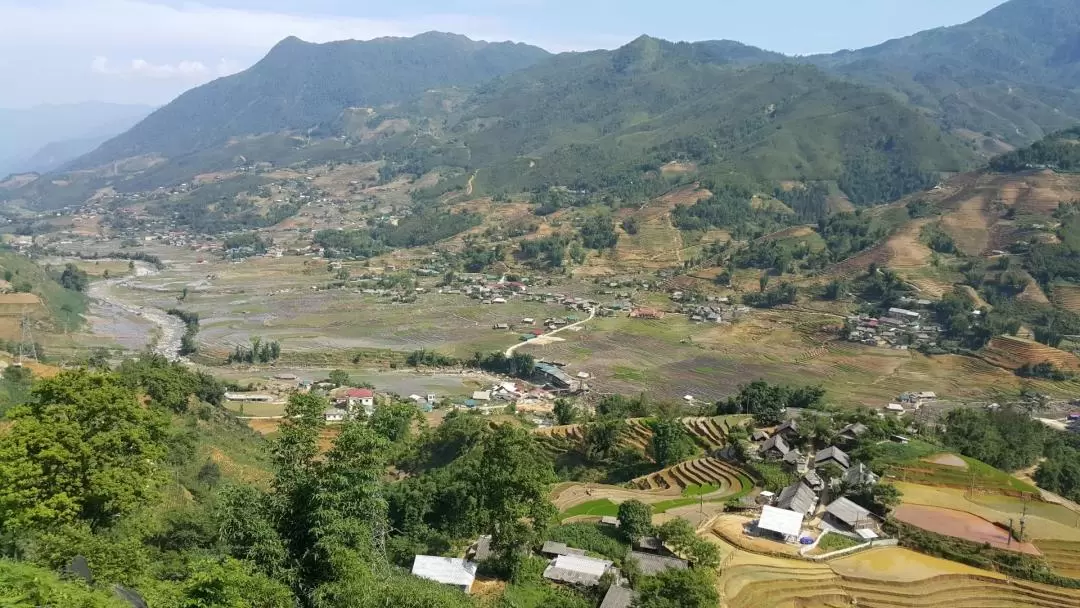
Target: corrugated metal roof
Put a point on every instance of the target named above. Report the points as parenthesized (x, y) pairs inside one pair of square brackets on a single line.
[(577, 569), (850, 513)]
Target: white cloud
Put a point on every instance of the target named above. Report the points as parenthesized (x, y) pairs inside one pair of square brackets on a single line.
[(143, 23), (184, 70)]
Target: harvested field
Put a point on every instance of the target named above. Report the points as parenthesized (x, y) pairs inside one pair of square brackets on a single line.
[(705, 472), (708, 432), (879, 578), (1067, 297), (1011, 352), (1063, 556), (948, 460), (899, 565), (960, 524)]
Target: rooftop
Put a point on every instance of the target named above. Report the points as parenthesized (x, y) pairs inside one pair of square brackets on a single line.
[(618, 597), (797, 497), (553, 548), (651, 564), (833, 453), (446, 570), (577, 569), (849, 513), (787, 523)]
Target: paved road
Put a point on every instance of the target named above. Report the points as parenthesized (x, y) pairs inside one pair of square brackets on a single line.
[(592, 315)]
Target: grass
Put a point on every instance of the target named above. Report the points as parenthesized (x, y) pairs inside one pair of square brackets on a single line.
[(596, 539), (907, 462), (594, 508), (835, 542), (696, 490)]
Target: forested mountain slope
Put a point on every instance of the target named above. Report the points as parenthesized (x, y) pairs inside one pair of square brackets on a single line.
[(1012, 73), (300, 85), (585, 120)]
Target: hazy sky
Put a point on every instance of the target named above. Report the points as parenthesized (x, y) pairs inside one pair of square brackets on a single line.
[(148, 51)]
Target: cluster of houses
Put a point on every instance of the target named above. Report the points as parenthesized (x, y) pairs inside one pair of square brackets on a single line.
[(566, 566), (900, 329), (783, 514), (718, 312)]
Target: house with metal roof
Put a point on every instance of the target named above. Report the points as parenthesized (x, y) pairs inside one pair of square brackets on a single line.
[(446, 570), (780, 522), (859, 475), (852, 432), (577, 570), (789, 429)]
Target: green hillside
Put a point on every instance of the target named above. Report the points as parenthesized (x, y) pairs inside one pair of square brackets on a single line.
[(300, 85), (1012, 73), (598, 120)]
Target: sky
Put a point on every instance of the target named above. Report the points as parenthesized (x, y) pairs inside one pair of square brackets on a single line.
[(149, 51)]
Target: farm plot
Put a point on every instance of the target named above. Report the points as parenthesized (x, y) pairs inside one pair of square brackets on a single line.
[(704, 473), (1063, 556), (1044, 520), (1067, 297), (708, 432), (960, 524), (1011, 352), (946, 472)]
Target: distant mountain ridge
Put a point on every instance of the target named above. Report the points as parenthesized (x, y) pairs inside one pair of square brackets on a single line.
[(300, 85), (25, 132), (1013, 73)]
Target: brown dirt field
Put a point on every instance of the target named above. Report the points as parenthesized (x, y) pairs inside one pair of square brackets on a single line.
[(1012, 352), (264, 427), (960, 524), (948, 460), (19, 299), (730, 528), (1033, 292), (1068, 297), (676, 168)]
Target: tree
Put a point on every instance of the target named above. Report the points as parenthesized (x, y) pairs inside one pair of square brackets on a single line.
[(339, 377), (670, 442), (678, 589), (635, 519), (603, 439), (84, 450), (681, 537), (764, 401), (564, 412), (74, 279), (511, 476), (394, 421), (231, 583)]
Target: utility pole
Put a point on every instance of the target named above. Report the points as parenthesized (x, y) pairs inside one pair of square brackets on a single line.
[(27, 349)]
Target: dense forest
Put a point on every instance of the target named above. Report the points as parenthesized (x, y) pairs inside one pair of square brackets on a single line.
[(1060, 152)]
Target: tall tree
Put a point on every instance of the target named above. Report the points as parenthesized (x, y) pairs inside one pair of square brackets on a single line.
[(84, 449)]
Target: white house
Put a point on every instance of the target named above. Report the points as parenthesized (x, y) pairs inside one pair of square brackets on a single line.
[(334, 414)]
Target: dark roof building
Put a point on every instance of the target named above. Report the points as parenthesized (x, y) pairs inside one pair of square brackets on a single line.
[(775, 447), (789, 429), (832, 454), (797, 497), (553, 548), (845, 514), (618, 597), (852, 432), (651, 564)]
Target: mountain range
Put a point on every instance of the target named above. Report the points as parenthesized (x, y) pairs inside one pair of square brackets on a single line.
[(878, 122), (45, 137)]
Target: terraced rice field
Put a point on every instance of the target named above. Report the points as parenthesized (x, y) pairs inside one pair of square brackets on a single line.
[(710, 433), (880, 578), (703, 472), (1067, 297), (1011, 352), (1063, 556)]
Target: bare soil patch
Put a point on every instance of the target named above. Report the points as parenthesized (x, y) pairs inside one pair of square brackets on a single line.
[(959, 524), (948, 460)]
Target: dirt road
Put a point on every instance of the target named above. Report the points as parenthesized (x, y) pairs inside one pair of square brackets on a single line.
[(592, 315)]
